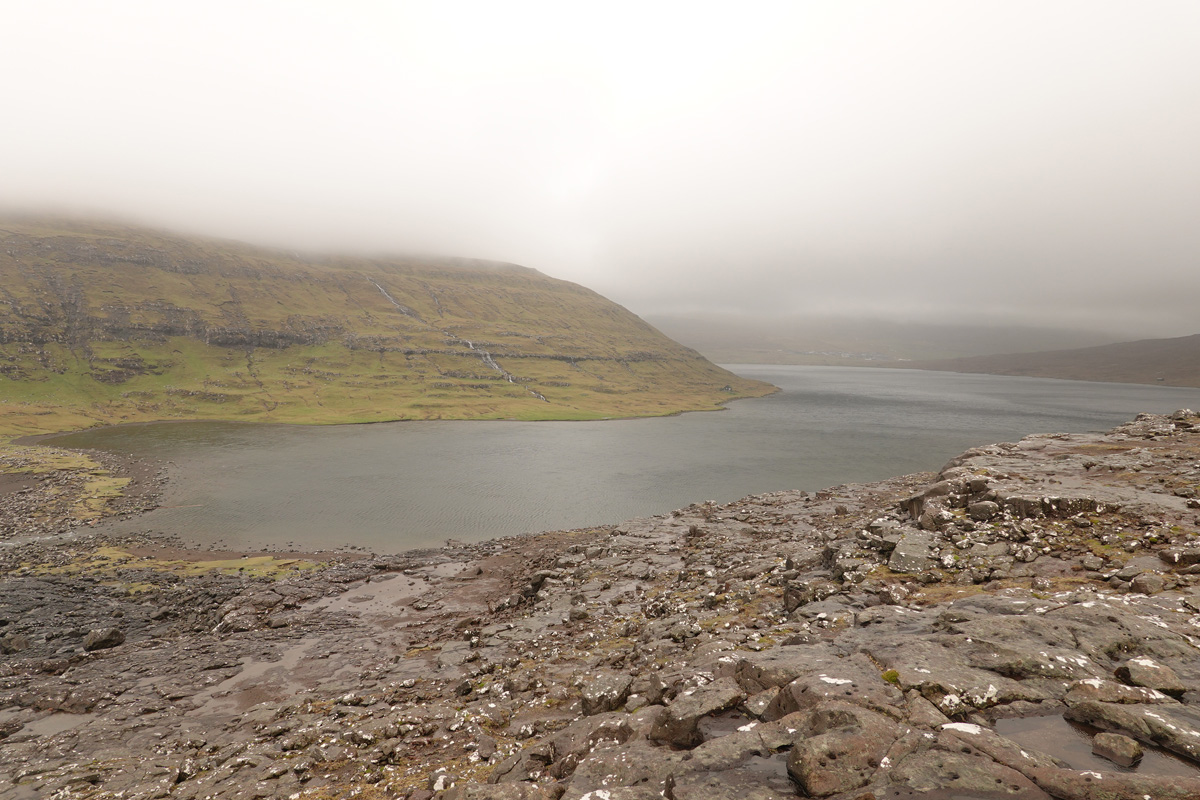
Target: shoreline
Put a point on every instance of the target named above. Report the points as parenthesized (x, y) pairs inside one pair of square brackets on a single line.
[(37, 438), (144, 492), (700, 648)]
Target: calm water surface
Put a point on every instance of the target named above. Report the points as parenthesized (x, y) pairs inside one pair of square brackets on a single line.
[(395, 486)]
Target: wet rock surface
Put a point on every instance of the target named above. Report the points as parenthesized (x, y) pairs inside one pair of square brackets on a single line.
[(858, 642)]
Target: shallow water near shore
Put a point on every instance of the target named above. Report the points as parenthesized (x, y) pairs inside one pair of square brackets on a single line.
[(395, 486)]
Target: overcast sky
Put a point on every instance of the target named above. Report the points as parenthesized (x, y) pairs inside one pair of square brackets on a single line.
[(995, 161)]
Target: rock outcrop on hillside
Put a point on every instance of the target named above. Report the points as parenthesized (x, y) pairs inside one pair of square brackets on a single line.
[(889, 640)]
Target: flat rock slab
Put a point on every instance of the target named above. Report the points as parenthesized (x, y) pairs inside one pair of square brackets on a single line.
[(912, 553), (1069, 784), (959, 775)]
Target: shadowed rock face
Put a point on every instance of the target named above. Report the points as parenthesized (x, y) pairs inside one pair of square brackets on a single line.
[(765, 648)]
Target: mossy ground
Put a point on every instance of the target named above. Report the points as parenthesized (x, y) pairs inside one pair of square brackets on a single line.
[(332, 384), (114, 564), (88, 492)]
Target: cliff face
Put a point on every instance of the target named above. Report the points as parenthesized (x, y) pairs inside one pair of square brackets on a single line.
[(124, 324)]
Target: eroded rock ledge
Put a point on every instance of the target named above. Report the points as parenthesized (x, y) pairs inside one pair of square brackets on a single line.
[(868, 641)]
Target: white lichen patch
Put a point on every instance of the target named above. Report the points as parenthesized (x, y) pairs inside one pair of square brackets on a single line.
[(835, 681)]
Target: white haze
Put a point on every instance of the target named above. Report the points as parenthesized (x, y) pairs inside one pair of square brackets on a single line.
[(995, 162)]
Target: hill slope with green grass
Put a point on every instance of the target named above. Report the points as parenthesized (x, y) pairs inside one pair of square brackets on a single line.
[(105, 323)]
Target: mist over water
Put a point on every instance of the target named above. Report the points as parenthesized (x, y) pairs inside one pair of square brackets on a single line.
[(395, 486)]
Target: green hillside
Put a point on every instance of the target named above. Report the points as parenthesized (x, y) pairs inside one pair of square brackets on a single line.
[(104, 323)]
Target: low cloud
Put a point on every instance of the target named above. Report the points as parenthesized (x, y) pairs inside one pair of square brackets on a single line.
[(1006, 162)]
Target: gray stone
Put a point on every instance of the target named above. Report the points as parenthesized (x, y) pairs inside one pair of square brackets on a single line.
[(1147, 583), (1111, 692), (983, 510), (1117, 748), (1070, 784), (956, 774), (844, 747), (1180, 556), (912, 553), (13, 643), (678, 724), (956, 735), (1149, 673), (923, 713), (989, 551), (1024, 507), (1170, 726), (506, 791), (103, 638), (1137, 566), (638, 764), (744, 784), (605, 692)]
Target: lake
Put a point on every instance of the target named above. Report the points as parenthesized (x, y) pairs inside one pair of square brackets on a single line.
[(394, 486)]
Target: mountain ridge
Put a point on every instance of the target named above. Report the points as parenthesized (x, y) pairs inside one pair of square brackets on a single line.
[(1170, 362), (103, 322)]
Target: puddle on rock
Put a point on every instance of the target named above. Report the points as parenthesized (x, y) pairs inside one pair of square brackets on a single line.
[(771, 771), (1072, 743), (723, 724), (255, 682)]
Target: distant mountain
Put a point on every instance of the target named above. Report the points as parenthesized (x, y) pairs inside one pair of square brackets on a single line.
[(846, 341), (102, 322), (1171, 362)]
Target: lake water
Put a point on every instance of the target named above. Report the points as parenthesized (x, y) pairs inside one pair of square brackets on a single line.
[(394, 486)]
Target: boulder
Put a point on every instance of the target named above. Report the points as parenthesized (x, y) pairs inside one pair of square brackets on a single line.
[(678, 724), (1136, 566), (605, 692), (1117, 748), (1024, 507), (955, 736), (983, 510), (639, 764), (844, 747), (911, 554), (13, 643), (1149, 673), (1180, 556), (1147, 583), (103, 638)]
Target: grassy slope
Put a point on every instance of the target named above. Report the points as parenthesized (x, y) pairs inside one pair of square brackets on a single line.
[(1170, 362), (104, 324)]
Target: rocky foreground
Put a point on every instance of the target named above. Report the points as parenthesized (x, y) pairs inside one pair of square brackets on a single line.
[(933, 635)]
